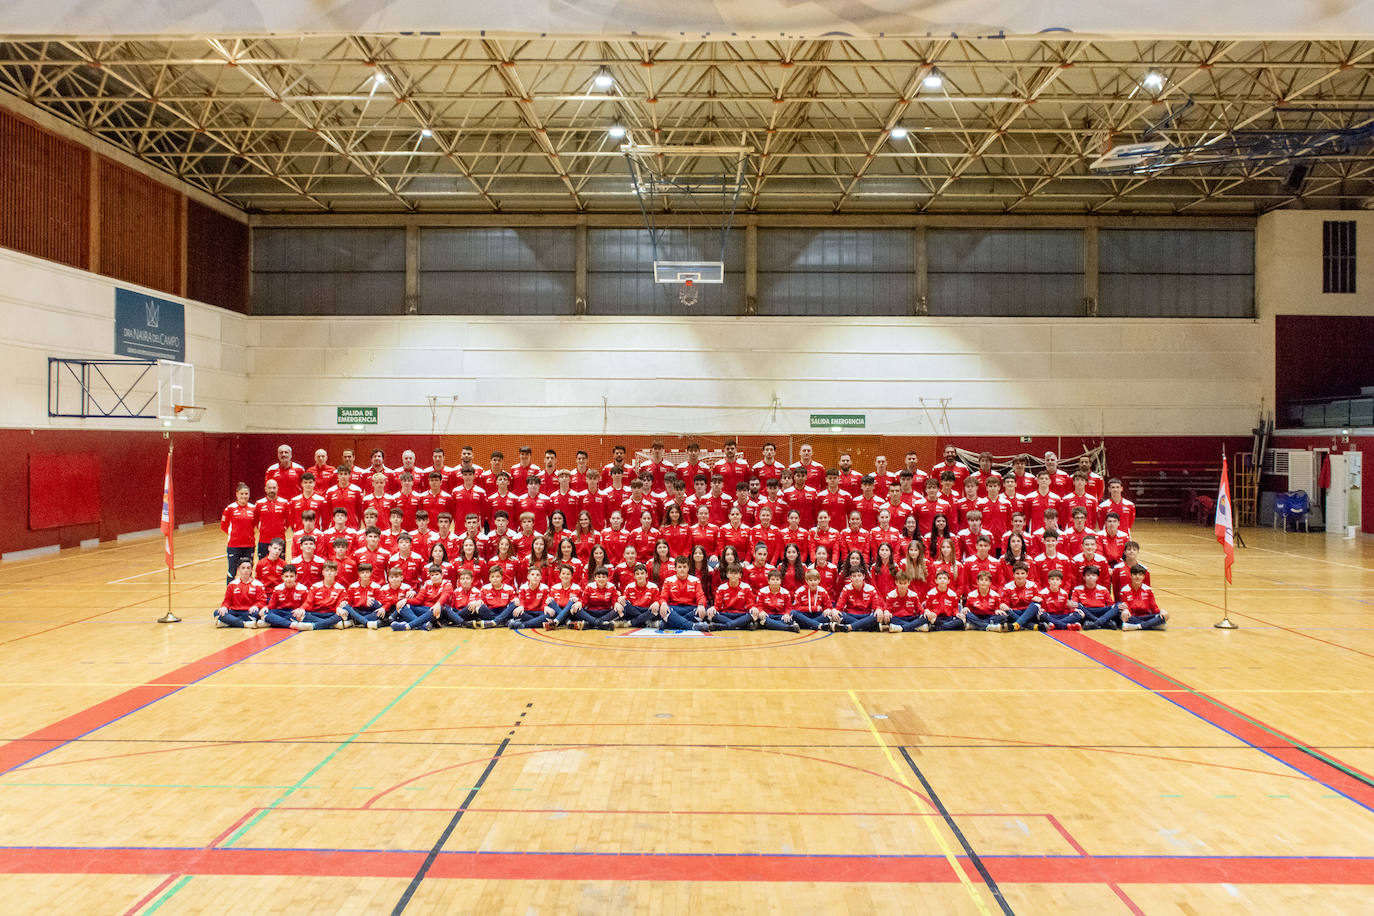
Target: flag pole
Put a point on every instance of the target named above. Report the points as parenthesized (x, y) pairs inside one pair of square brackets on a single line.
[(1226, 623), (169, 617)]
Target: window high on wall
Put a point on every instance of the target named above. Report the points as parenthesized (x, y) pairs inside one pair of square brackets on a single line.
[(1338, 256)]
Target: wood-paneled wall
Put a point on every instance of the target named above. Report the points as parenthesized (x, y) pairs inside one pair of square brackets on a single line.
[(44, 193), (61, 201), (216, 258), (141, 229)]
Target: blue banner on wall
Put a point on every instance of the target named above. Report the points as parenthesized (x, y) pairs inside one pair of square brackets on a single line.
[(147, 327)]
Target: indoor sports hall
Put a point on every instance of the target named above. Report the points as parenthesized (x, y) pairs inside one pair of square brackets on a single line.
[(784, 457)]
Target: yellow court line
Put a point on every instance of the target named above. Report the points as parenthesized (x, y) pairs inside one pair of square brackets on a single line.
[(950, 857)]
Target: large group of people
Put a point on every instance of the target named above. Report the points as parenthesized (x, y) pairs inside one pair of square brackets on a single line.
[(702, 545)]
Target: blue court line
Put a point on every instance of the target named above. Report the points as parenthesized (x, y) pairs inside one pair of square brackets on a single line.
[(145, 705), (821, 634), (1211, 723)]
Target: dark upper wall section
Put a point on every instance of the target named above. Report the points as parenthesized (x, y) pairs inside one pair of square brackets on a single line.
[(66, 203)]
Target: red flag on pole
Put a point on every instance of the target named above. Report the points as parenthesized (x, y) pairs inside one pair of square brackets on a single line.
[(1226, 534), (168, 516)]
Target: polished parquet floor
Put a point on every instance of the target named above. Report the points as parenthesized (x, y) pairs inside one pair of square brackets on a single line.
[(187, 769)]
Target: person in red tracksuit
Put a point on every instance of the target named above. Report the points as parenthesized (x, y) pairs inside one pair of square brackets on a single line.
[(734, 603), (902, 607), (639, 605), (942, 605), (268, 570), (244, 600), (599, 600), (321, 608), (983, 605), (284, 599), (429, 600), (1055, 612), (811, 604), (774, 605), (857, 604), (1139, 611), (238, 521)]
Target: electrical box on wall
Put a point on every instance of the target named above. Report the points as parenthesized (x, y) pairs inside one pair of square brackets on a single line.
[(1025, 438)]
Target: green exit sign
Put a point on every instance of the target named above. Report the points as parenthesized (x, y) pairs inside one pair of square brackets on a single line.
[(357, 416), (838, 420)]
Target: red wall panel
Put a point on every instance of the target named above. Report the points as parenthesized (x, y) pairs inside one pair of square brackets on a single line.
[(64, 489), (45, 190), (1346, 363), (216, 258), (141, 229)]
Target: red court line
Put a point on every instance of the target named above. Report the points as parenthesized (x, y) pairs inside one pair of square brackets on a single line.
[(20, 751), (653, 867), (1265, 737)]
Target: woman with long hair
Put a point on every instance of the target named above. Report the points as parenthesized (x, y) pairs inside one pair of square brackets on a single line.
[(945, 558), (470, 557), (676, 532), (793, 567), (699, 565), (1016, 552), (914, 564), (558, 527), (584, 536), (661, 566), (598, 558), (853, 562), (883, 573), (504, 558), (829, 572), (566, 554), (939, 531)]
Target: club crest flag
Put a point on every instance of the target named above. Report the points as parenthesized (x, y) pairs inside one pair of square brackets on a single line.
[(1226, 533), (167, 514)]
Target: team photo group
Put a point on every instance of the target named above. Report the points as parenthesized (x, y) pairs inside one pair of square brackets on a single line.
[(697, 545)]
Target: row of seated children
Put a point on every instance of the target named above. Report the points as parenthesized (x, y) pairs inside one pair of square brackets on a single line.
[(679, 601)]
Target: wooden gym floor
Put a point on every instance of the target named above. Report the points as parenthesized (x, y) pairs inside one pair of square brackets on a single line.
[(183, 768)]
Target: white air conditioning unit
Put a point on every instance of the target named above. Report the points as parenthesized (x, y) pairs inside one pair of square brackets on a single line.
[(1299, 465)]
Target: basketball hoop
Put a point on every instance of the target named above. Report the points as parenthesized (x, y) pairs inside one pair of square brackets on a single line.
[(188, 412), (687, 295)]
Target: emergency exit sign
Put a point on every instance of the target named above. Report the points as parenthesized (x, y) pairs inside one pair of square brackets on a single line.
[(357, 416), (838, 420)]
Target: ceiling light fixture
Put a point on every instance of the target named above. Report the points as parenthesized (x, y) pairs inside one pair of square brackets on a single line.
[(933, 79), (426, 132), (616, 131), (897, 133), (1154, 80), (603, 79)]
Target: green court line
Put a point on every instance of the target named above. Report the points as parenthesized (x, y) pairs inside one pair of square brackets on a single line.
[(301, 783), (157, 904)]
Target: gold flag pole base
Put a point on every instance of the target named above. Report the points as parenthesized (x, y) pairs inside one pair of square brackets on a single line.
[(1226, 623), (169, 617)]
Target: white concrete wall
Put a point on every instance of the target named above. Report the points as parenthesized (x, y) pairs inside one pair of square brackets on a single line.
[(1288, 278), (704, 375), (1062, 376), (47, 309)]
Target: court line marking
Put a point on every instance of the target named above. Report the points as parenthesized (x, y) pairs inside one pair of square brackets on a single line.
[(958, 834), (1355, 785), (21, 751), (164, 569), (953, 861), (687, 867), (1285, 553)]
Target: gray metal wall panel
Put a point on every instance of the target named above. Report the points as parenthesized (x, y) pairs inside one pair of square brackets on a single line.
[(1007, 251), (497, 249), (329, 250), (991, 272), (468, 292), (835, 293), (998, 294), (353, 293), (1158, 273), (854, 250)]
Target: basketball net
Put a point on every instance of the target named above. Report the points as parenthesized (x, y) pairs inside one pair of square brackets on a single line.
[(687, 295)]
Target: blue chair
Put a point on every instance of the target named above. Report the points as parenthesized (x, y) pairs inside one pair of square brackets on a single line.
[(1281, 510), (1298, 510)]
